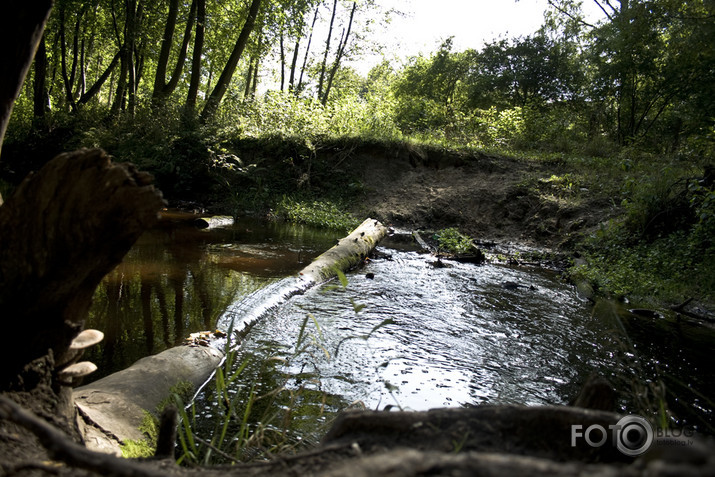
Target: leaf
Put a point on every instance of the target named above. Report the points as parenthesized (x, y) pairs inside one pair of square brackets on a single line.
[(357, 307), (341, 276)]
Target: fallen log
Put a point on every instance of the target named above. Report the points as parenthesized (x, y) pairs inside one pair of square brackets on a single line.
[(113, 408), (348, 253)]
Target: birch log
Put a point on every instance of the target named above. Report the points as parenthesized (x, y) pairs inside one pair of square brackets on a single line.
[(348, 253), (113, 407)]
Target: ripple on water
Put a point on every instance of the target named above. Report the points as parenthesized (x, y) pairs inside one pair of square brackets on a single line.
[(456, 335)]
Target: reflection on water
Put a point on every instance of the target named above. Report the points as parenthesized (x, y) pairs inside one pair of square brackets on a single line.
[(418, 336), (455, 336), (414, 336), (180, 279)]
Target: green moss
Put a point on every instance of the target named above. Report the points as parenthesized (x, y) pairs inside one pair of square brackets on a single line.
[(150, 424), (143, 447)]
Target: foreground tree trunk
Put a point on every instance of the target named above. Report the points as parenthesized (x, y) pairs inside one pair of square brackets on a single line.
[(21, 29), (64, 228)]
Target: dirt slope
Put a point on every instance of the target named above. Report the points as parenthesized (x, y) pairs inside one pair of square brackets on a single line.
[(491, 198)]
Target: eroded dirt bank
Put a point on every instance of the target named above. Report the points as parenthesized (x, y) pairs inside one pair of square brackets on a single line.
[(493, 199)]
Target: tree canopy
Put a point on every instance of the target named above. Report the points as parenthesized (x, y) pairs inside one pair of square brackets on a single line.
[(644, 74)]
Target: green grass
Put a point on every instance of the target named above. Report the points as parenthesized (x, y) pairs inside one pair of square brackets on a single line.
[(323, 213)]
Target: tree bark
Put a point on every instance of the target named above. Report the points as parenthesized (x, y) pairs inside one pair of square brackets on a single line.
[(195, 80), (65, 227), (41, 97), (163, 88), (97, 86), (225, 79), (339, 56), (348, 253), (166, 43), (324, 64), (307, 51), (21, 28), (293, 63)]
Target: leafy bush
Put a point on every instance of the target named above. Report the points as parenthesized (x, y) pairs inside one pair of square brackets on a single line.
[(453, 241)]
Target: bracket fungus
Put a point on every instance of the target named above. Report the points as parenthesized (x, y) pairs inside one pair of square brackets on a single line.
[(71, 371), (82, 341), (73, 374)]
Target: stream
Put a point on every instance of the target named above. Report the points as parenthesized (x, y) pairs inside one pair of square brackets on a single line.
[(402, 332)]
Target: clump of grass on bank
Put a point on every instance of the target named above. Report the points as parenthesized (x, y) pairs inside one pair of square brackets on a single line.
[(453, 241), (317, 213)]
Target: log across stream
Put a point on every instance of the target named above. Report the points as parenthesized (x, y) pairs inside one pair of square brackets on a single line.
[(413, 335), (113, 407)]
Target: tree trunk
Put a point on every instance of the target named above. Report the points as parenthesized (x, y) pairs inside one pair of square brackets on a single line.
[(166, 44), (307, 51), (249, 78), (41, 98), (348, 253), (162, 88), (339, 56), (195, 80), (97, 86), (283, 61), (225, 79), (21, 28), (66, 227), (294, 62), (324, 64)]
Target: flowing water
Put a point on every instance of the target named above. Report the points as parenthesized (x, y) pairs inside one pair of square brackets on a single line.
[(403, 332)]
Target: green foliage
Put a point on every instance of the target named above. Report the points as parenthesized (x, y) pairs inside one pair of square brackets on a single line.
[(453, 241), (659, 205), (279, 114), (318, 213), (668, 270)]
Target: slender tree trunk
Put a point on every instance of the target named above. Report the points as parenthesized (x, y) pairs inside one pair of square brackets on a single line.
[(249, 79), (225, 79), (163, 89), (307, 51), (82, 81), (254, 84), (294, 62), (283, 61), (324, 64), (339, 56), (66, 79), (97, 86), (166, 44), (195, 80), (41, 98)]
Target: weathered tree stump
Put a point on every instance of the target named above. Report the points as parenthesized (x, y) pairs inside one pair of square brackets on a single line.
[(64, 228)]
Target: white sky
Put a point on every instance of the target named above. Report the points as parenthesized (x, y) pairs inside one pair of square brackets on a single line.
[(471, 22)]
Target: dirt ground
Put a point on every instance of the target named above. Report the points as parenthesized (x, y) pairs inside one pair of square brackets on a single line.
[(493, 199)]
